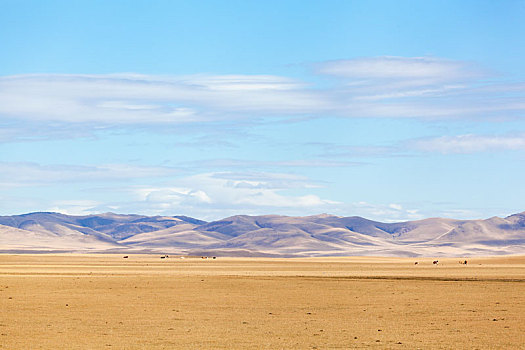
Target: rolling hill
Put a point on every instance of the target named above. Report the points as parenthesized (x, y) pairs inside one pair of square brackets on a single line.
[(268, 235)]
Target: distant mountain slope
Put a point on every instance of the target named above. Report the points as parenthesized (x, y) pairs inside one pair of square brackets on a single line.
[(318, 235)]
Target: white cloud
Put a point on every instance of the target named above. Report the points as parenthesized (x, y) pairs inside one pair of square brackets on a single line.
[(297, 163), (395, 206), (212, 193), (391, 87), (417, 70), (132, 98), (28, 174), (392, 212), (244, 82), (456, 144), (208, 196), (160, 190), (470, 143), (74, 207)]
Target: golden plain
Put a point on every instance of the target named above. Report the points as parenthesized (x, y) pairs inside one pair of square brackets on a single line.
[(145, 302)]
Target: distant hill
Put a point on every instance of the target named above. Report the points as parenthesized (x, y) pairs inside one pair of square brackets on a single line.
[(268, 235)]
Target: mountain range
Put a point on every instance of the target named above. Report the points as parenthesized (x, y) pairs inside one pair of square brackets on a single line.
[(267, 235)]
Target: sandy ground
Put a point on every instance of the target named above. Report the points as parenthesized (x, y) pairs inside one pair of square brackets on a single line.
[(144, 302)]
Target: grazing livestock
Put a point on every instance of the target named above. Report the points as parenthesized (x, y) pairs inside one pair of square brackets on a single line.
[(435, 262), (416, 263), (125, 257)]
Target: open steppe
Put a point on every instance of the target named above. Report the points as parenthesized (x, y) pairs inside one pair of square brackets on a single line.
[(144, 302)]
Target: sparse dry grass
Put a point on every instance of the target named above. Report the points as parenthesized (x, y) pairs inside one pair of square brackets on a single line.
[(95, 301)]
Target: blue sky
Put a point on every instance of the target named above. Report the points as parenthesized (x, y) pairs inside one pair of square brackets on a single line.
[(392, 110)]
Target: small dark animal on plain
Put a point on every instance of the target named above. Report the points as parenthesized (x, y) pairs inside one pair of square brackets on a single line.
[(435, 262), (125, 257)]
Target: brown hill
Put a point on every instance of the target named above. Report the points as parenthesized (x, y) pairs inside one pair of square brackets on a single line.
[(272, 235)]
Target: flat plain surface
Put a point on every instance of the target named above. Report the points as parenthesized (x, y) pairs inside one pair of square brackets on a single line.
[(144, 302)]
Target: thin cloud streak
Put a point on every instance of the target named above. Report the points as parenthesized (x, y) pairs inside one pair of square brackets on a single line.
[(261, 164), (377, 87), (32, 174), (449, 144), (413, 70), (132, 98), (469, 143)]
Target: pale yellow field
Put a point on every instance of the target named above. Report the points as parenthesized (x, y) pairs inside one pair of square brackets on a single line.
[(144, 302)]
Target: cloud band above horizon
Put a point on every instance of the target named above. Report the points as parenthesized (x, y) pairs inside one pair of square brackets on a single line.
[(378, 87)]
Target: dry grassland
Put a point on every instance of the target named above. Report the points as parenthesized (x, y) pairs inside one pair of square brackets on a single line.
[(144, 302)]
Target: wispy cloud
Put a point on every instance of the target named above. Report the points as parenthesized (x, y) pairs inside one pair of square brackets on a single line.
[(414, 71), (132, 98), (421, 87), (448, 144), (387, 212), (163, 191), (30, 174), (74, 207), (22, 174), (214, 195), (392, 87), (469, 143), (261, 164)]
